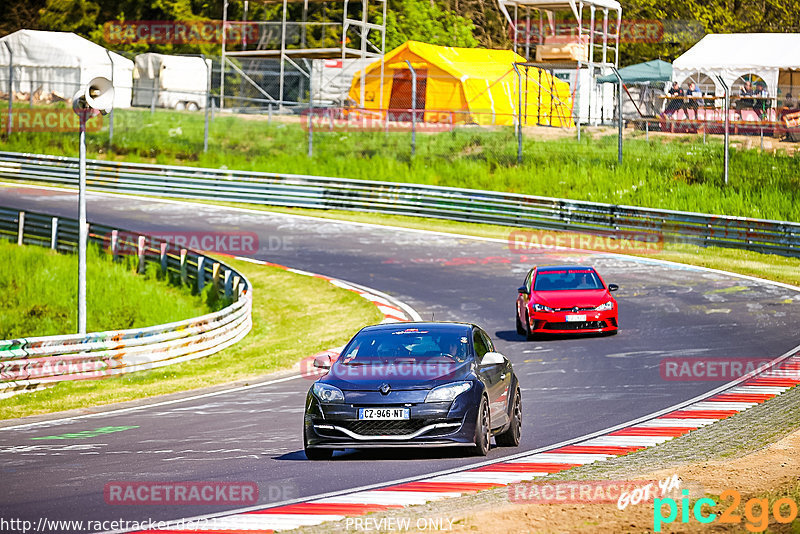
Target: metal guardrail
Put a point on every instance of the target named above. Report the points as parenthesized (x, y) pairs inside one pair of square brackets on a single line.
[(30, 363), (467, 205)]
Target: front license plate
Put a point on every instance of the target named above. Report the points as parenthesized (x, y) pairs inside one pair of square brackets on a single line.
[(576, 318), (383, 414)]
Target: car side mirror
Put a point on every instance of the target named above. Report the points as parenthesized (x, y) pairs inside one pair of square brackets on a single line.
[(323, 361), (492, 358), (523, 290), (613, 287)]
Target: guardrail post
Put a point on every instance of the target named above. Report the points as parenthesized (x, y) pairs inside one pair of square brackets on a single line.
[(21, 228), (215, 276), (236, 280), (114, 242), (201, 273), (164, 258), (184, 274), (140, 253), (54, 233), (227, 282)]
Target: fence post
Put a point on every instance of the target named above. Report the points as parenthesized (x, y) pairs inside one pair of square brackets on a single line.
[(215, 276), (519, 113), (208, 101), (201, 273), (227, 282), (164, 257), (413, 108), (21, 228), (726, 108), (10, 89), (114, 240), (140, 253), (310, 121), (619, 115), (184, 274), (236, 280), (54, 233)]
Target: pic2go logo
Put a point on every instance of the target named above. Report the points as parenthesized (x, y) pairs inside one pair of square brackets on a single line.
[(756, 511)]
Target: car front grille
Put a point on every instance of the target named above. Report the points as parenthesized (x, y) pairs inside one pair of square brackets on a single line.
[(576, 325), (384, 428)]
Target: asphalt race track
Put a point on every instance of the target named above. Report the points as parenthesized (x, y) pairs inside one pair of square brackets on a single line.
[(570, 387)]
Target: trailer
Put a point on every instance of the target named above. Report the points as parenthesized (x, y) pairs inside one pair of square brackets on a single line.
[(174, 82)]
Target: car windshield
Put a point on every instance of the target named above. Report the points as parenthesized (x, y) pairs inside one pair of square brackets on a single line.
[(567, 279), (406, 345)]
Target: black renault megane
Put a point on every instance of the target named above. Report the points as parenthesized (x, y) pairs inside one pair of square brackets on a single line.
[(413, 385)]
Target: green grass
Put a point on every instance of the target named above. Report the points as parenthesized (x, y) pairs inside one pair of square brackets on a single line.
[(39, 294), (681, 173), (293, 316)]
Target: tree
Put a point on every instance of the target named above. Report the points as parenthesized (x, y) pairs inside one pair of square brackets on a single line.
[(421, 20)]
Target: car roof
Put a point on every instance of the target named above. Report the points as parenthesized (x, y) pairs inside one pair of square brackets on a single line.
[(438, 326), (546, 268)]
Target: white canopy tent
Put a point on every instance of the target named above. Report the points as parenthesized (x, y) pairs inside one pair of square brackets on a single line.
[(59, 63), (774, 57)]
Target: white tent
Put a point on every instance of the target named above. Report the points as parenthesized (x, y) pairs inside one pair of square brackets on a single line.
[(60, 63), (774, 57)]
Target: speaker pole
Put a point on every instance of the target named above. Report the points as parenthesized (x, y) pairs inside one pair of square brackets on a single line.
[(82, 237)]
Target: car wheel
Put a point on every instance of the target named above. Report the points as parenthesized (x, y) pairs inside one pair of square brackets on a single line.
[(192, 106), (510, 438), (482, 430), (520, 326), (315, 454), (530, 336), (180, 106)]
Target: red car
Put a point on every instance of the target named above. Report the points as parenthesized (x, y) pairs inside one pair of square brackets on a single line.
[(565, 299)]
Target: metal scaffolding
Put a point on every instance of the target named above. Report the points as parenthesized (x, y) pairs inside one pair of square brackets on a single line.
[(589, 47), (359, 33)]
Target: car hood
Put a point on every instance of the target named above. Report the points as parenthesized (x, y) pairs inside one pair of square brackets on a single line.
[(399, 377), (582, 298)]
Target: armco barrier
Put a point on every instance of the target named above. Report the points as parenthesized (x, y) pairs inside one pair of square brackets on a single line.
[(466, 205), (33, 362)]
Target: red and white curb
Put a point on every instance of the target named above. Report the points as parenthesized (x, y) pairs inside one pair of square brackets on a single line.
[(754, 388)]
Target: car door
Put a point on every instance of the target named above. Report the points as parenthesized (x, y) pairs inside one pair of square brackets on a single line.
[(496, 378)]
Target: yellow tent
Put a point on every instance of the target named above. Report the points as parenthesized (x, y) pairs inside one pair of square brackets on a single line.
[(462, 85)]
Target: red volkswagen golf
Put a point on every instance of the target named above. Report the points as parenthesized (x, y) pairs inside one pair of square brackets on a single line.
[(565, 299)]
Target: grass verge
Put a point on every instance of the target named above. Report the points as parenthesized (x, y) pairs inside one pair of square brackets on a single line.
[(39, 294), (287, 325), (679, 172)]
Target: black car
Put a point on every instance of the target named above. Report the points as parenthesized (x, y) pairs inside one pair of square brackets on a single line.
[(413, 385)]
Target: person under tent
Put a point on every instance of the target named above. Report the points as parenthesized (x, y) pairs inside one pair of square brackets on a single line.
[(674, 102)]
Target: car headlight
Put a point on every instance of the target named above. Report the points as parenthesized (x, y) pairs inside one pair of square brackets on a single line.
[(605, 307), (327, 393), (541, 308), (448, 392)]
